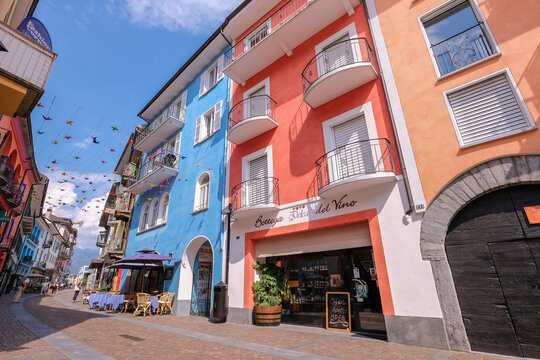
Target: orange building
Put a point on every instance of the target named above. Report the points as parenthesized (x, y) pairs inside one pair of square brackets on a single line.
[(467, 85)]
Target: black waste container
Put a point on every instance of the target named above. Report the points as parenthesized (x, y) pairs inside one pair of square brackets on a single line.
[(219, 309)]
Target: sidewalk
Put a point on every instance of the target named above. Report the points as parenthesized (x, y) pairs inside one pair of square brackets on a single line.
[(122, 336)]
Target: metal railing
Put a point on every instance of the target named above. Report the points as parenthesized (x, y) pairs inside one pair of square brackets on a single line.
[(101, 239), (364, 157), (33, 239), (269, 25), (340, 54), (260, 105), (462, 49), (6, 170), (47, 244), (172, 111), (164, 158), (14, 192), (253, 192)]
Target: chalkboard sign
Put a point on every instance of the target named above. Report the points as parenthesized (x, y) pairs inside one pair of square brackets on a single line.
[(338, 311)]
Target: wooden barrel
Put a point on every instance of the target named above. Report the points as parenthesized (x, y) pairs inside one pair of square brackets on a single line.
[(267, 315)]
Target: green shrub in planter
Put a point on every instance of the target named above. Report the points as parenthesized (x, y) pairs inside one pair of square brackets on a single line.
[(267, 291)]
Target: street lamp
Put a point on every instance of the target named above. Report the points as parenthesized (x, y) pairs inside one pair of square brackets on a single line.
[(227, 211)]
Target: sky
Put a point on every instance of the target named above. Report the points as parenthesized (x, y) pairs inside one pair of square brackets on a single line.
[(113, 57)]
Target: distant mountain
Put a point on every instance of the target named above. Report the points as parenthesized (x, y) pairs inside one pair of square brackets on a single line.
[(82, 257)]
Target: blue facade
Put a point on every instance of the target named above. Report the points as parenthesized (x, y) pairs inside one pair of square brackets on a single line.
[(188, 225), (28, 253)]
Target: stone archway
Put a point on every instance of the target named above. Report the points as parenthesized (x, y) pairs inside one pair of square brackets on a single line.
[(479, 180)]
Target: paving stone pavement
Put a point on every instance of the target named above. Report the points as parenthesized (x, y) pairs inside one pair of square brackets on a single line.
[(122, 336)]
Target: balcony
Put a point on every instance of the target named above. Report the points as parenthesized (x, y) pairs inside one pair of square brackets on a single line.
[(154, 170), (27, 225), (33, 239), (170, 121), (14, 192), (26, 64), (47, 244), (6, 171), (254, 197), (280, 33), (336, 70), (355, 166), (101, 239), (251, 117)]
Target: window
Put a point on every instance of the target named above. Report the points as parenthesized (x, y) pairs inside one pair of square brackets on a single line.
[(208, 124), (202, 193), (211, 76), (257, 35), (164, 208), (144, 218), (456, 37), (488, 108), (154, 213)]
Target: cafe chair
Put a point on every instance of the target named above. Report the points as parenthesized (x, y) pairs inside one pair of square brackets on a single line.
[(129, 300), (144, 304), (165, 303)]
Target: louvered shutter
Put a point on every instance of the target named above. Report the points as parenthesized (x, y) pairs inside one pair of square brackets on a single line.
[(352, 155), (220, 63), (258, 185), (183, 106), (197, 130), (202, 86), (337, 54), (487, 110), (217, 117)]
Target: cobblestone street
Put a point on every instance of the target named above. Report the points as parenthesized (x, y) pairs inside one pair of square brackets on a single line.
[(51, 327)]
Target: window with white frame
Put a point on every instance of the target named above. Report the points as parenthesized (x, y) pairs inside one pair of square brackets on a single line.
[(143, 222), (154, 212), (487, 109), (457, 35), (211, 76), (163, 212), (202, 192), (208, 124)]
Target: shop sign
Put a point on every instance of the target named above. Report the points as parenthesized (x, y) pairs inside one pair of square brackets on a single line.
[(533, 214), (302, 211), (35, 30), (4, 217), (338, 311)]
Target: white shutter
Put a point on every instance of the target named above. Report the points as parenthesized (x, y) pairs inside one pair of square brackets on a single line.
[(258, 187), (220, 63), (351, 156), (202, 86), (217, 117), (487, 110), (184, 100), (197, 129)]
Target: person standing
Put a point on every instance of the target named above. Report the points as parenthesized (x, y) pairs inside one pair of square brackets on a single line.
[(44, 287), (19, 286), (77, 289)]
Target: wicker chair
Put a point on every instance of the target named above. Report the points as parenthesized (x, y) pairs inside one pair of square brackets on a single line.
[(129, 300), (165, 303), (144, 304)]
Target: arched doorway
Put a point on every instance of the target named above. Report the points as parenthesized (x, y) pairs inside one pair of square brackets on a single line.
[(494, 254), (195, 288), (442, 218)]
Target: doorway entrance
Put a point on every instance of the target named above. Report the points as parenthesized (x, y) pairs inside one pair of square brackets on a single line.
[(494, 253), (202, 281)]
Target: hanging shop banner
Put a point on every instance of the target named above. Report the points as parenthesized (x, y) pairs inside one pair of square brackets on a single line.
[(4, 217), (35, 30), (533, 214), (338, 311)]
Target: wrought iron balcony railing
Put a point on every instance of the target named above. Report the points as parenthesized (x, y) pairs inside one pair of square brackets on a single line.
[(14, 192), (269, 25), (340, 54), (259, 191), (162, 159), (460, 50), (260, 105), (173, 111), (360, 158), (6, 171)]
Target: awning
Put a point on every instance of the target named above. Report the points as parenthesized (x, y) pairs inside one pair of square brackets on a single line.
[(36, 276)]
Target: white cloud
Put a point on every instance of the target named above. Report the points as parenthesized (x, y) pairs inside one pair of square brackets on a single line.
[(83, 144), (191, 15)]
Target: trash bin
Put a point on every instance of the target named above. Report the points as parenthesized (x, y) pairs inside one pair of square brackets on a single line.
[(219, 309)]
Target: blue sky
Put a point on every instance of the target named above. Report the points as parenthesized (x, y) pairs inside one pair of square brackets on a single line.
[(113, 56)]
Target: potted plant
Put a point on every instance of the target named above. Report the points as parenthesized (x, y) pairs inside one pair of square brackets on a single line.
[(267, 292)]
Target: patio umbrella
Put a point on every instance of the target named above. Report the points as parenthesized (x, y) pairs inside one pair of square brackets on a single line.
[(145, 257)]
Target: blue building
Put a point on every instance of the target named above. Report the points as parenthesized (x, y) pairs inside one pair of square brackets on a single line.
[(181, 183), (28, 252)]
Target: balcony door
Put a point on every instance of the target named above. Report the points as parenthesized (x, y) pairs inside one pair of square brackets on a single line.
[(258, 189), (352, 154), (256, 103), (335, 55)]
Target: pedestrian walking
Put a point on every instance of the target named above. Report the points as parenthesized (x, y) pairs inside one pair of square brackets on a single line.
[(19, 286), (44, 287), (77, 289)]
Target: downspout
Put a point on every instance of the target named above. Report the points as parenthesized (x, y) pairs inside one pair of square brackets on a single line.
[(410, 210)]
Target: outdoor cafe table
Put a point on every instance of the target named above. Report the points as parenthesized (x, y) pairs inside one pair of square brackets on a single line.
[(103, 300)]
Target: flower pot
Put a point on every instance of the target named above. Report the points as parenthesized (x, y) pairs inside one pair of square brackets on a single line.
[(267, 315)]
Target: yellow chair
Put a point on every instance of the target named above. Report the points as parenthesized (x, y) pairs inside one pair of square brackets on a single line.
[(165, 303), (144, 304), (129, 300)]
